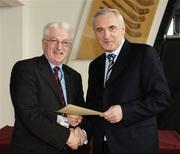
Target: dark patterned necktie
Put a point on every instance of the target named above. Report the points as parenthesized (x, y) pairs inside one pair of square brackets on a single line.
[(59, 87), (110, 58)]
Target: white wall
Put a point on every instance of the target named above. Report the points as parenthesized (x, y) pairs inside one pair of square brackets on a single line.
[(10, 51), (41, 12)]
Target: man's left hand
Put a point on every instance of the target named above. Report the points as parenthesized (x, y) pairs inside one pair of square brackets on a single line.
[(113, 114)]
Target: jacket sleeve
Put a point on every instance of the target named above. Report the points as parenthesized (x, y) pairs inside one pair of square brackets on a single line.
[(25, 98), (155, 92)]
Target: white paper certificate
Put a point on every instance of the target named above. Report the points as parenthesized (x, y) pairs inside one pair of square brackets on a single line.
[(77, 110)]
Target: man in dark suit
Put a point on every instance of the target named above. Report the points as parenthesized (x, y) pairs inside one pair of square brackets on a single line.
[(128, 85), (34, 92)]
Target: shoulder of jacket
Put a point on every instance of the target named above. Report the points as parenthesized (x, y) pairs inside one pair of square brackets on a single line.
[(98, 59), (26, 62)]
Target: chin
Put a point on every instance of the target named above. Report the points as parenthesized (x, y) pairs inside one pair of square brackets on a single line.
[(108, 48)]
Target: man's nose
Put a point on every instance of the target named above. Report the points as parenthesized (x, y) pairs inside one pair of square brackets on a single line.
[(106, 34), (59, 45)]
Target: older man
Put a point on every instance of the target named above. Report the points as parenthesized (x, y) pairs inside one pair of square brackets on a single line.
[(39, 87)]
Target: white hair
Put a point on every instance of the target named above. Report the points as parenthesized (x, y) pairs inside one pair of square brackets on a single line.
[(108, 10), (57, 25)]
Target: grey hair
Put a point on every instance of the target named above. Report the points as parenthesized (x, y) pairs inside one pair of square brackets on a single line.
[(57, 25), (108, 10)]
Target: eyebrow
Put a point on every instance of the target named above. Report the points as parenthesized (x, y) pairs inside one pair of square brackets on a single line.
[(58, 39), (105, 27)]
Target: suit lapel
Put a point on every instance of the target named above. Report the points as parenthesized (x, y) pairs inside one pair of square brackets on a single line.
[(69, 84), (121, 62), (47, 73), (101, 70)]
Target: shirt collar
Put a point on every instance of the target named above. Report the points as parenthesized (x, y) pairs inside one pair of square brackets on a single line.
[(52, 65)]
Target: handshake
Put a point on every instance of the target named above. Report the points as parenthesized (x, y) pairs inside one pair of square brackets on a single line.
[(77, 135)]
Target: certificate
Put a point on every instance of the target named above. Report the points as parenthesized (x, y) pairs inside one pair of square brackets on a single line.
[(77, 110)]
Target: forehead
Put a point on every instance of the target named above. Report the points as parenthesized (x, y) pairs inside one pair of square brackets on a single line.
[(59, 33), (106, 20)]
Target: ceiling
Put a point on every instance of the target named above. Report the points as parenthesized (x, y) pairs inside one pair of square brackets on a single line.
[(10, 3)]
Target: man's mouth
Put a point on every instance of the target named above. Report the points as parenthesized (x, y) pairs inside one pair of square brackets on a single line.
[(107, 42), (58, 53)]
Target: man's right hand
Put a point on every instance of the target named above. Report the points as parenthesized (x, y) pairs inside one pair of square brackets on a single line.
[(76, 138)]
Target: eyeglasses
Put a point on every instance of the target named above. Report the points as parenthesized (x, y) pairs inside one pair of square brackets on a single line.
[(57, 42)]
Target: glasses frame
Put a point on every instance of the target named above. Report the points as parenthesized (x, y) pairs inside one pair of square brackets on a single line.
[(56, 42)]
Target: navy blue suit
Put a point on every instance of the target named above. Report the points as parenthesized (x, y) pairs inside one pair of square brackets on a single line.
[(137, 83), (35, 101)]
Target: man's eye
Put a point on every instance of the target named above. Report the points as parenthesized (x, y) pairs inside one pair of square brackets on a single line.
[(53, 40), (64, 42), (112, 28), (99, 30)]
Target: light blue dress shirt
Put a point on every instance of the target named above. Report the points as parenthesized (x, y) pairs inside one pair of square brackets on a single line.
[(61, 78)]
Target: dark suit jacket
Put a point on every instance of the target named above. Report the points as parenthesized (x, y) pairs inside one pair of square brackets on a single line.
[(137, 83), (35, 102)]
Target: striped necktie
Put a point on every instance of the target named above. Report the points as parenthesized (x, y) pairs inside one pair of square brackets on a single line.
[(110, 58)]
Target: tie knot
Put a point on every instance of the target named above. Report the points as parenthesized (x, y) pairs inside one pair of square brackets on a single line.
[(111, 57), (56, 69)]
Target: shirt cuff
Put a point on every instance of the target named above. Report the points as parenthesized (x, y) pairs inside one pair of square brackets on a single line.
[(85, 140)]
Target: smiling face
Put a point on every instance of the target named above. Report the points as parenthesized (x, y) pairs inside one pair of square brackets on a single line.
[(56, 45), (109, 31)]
